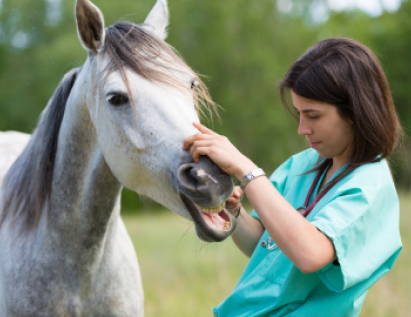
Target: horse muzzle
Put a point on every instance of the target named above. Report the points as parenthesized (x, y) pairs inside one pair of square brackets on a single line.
[(204, 189)]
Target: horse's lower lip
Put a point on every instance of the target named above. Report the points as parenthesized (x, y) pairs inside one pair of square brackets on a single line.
[(210, 227)]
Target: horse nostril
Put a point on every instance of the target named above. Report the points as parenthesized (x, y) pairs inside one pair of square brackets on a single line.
[(188, 176), (191, 175), (204, 182)]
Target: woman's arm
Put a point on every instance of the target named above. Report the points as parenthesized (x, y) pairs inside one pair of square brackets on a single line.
[(248, 232), (307, 247)]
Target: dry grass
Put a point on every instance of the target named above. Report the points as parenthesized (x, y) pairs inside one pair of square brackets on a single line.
[(183, 276)]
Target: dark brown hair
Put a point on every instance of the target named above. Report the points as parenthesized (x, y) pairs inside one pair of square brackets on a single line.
[(347, 74)]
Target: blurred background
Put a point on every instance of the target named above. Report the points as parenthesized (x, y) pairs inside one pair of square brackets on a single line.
[(244, 47)]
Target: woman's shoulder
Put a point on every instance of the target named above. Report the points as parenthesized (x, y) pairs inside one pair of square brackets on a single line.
[(375, 175)]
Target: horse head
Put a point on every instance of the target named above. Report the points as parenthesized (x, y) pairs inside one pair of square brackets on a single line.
[(141, 100)]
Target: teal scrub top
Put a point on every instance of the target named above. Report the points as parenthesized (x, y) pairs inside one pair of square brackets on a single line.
[(360, 215)]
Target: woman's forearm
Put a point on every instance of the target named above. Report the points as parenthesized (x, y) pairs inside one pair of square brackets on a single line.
[(248, 232), (307, 247)]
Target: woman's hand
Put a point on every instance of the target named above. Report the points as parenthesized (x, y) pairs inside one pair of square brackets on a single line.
[(220, 150), (234, 202)]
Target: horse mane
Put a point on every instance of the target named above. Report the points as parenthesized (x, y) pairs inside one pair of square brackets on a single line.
[(130, 46), (27, 185)]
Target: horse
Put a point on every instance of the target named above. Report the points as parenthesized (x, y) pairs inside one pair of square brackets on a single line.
[(12, 143), (117, 121)]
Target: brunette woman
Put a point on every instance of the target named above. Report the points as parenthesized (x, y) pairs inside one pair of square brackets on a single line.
[(325, 225)]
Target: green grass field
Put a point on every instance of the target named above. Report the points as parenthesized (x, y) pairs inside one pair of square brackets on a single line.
[(184, 277)]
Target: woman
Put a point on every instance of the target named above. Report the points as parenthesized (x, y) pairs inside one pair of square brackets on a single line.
[(321, 260)]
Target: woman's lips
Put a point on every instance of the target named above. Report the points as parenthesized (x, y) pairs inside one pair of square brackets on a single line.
[(314, 144)]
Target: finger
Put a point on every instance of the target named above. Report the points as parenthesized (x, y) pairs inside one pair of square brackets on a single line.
[(232, 205), (200, 143), (238, 192), (187, 142), (232, 201), (200, 151), (203, 129), (192, 138), (232, 208)]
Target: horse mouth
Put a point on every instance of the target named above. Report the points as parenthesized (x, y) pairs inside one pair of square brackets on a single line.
[(212, 224)]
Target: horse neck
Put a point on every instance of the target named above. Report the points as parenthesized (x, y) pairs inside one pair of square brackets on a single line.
[(84, 201)]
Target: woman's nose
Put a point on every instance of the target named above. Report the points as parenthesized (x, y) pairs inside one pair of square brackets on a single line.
[(303, 128)]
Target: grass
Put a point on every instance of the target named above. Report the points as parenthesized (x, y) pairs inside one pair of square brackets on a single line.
[(183, 276)]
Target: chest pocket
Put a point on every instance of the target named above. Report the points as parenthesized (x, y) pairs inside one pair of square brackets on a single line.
[(276, 267)]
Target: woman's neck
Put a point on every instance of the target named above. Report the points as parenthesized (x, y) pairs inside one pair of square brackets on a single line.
[(336, 164)]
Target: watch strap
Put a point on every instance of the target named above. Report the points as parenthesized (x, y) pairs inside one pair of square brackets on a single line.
[(250, 176)]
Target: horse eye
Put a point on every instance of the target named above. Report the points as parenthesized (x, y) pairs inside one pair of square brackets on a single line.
[(194, 83), (117, 99)]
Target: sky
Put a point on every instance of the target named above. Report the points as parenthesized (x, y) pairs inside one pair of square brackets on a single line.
[(320, 9), (372, 7)]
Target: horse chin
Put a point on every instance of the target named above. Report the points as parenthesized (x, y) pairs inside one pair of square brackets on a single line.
[(210, 227)]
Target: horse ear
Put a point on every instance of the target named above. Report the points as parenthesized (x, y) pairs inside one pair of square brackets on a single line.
[(157, 20), (90, 25)]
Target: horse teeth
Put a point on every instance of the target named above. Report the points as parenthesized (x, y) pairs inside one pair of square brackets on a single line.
[(212, 210), (227, 226)]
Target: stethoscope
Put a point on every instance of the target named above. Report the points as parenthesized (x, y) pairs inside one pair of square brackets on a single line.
[(269, 244)]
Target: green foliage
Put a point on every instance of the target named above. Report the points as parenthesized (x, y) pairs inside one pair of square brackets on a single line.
[(392, 41), (243, 46)]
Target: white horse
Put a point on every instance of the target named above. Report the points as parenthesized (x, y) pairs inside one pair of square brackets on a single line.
[(12, 143), (119, 120)]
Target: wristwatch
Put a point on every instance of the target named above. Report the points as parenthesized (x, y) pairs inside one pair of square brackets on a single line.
[(250, 176)]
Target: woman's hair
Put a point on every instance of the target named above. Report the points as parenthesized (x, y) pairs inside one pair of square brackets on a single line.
[(347, 74)]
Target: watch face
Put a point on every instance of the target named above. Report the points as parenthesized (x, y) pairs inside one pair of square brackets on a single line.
[(257, 172), (251, 175)]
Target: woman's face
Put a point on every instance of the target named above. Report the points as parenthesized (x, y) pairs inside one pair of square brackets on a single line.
[(326, 131)]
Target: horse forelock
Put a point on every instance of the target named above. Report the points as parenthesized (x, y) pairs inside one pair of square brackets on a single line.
[(27, 185), (130, 46)]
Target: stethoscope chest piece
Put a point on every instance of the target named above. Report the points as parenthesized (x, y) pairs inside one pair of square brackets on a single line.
[(301, 210), (269, 244)]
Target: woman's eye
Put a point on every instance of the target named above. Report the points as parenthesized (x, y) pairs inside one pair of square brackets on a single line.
[(117, 99)]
